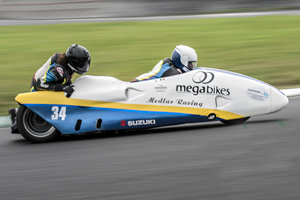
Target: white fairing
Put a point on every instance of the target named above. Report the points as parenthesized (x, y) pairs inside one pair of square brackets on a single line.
[(201, 88), (277, 100), (99, 88)]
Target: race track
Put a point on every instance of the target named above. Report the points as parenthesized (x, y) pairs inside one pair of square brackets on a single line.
[(14, 22), (256, 160)]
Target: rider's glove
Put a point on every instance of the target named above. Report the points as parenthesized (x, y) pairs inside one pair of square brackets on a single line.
[(69, 90), (135, 80)]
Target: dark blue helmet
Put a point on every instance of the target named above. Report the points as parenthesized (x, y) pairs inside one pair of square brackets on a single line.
[(79, 58)]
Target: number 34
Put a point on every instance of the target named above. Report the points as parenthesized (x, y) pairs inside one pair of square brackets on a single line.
[(58, 113)]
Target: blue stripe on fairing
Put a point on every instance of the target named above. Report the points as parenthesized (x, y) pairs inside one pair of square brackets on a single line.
[(100, 108), (237, 74), (111, 118)]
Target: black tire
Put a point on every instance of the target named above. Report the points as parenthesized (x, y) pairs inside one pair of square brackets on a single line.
[(33, 128), (235, 121)]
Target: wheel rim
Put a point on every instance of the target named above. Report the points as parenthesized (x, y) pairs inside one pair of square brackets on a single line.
[(35, 125)]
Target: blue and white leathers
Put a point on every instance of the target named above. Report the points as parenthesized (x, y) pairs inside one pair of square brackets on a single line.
[(163, 68), (183, 59)]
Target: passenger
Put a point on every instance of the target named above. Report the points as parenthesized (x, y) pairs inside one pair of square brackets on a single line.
[(56, 74), (183, 59)]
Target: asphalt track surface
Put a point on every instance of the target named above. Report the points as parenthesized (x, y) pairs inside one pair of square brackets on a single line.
[(256, 160)]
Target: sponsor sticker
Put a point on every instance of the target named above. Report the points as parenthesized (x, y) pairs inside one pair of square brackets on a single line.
[(196, 89), (123, 123), (141, 122), (60, 71), (180, 102), (159, 79), (160, 88), (204, 85), (257, 95), (203, 77)]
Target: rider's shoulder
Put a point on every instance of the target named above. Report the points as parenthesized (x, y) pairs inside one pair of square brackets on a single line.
[(167, 60), (54, 57)]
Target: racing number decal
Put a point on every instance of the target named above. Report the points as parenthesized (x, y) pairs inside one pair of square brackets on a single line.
[(58, 113)]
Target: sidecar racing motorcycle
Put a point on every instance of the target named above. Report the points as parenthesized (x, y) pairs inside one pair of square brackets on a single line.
[(103, 103)]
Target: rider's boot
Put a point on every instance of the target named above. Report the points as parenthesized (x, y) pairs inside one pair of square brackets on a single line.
[(13, 117)]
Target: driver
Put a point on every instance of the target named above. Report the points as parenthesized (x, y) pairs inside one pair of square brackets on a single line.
[(56, 74), (183, 59)]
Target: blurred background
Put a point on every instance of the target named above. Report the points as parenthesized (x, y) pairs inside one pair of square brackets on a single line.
[(58, 9)]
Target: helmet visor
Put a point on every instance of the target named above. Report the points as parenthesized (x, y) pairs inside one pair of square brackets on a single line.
[(82, 67), (192, 64)]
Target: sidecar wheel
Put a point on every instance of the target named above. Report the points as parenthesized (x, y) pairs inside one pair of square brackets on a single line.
[(33, 128), (235, 121)]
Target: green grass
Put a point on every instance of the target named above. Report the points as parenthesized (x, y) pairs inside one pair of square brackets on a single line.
[(266, 48)]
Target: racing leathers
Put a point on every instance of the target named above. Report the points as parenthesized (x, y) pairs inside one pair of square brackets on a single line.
[(52, 76), (163, 68)]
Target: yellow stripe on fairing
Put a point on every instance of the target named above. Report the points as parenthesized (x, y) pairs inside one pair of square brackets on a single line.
[(58, 98)]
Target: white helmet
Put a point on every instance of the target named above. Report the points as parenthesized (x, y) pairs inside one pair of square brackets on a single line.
[(184, 57)]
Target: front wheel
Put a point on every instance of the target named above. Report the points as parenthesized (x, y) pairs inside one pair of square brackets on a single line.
[(33, 128), (235, 121)]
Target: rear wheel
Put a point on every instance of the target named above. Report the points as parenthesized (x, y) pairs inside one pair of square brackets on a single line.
[(33, 128)]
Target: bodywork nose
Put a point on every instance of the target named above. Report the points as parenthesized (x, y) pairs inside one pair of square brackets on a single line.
[(278, 100)]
